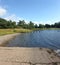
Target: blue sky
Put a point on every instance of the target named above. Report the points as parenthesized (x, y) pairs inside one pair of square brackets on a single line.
[(38, 11)]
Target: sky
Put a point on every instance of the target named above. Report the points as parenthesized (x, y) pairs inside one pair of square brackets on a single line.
[(37, 11)]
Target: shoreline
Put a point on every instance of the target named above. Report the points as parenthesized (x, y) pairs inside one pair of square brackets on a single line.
[(6, 38), (26, 55)]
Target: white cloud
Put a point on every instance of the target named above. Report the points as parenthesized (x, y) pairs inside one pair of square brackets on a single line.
[(12, 17), (2, 11)]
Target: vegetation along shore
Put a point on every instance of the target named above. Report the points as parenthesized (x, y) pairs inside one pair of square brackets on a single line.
[(10, 27)]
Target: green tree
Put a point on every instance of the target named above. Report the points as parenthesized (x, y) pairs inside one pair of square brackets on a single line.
[(52, 26), (3, 23), (41, 26), (21, 23), (36, 26), (9, 24), (47, 26), (57, 25), (14, 24), (31, 25)]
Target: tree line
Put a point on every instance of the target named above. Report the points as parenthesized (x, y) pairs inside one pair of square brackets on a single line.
[(4, 24)]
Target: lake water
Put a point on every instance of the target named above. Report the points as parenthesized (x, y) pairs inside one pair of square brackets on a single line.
[(42, 38)]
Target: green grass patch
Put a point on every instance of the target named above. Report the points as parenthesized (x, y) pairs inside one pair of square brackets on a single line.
[(12, 31), (22, 30)]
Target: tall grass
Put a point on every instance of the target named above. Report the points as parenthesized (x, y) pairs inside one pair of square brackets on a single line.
[(12, 31), (22, 30)]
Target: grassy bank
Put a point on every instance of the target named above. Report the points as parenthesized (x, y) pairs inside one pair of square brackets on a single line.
[(12, 31)]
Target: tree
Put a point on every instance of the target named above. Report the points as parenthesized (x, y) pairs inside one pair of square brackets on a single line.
[(10, 24), (14, 24), (41, 26), (57, 25), (52, 26), (3, 23), (21, 23), (36, 26), (31, 25), (47, 26)]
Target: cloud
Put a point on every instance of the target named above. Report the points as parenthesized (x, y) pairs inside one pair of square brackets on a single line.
[(13, 17), (2, 11)]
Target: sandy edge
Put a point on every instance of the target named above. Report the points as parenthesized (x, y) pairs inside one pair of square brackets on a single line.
[(25, 56), (6, 38)]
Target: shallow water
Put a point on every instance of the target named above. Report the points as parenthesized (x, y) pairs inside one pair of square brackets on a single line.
[(42, 38)]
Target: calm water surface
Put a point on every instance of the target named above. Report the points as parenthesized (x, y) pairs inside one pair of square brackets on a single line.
[(43, 38)]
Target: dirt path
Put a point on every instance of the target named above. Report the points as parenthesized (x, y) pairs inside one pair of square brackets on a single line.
[(27, 56)]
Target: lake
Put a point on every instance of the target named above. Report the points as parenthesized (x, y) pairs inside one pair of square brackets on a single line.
[(42, 38)]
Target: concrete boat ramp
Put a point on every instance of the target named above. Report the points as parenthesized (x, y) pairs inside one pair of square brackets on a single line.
[(28, 56)]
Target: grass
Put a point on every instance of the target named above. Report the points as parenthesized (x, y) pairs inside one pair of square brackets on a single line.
[(12, 31), (22, 30)]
